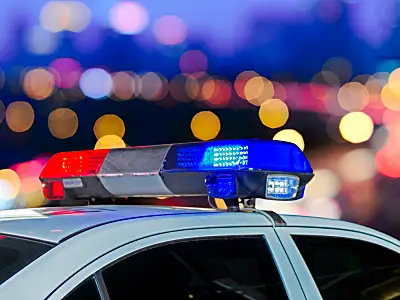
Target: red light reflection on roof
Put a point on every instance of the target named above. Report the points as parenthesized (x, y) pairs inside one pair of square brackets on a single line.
[(2, 237), (64, 212)]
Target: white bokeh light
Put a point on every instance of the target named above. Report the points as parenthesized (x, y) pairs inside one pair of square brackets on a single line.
[(96, 83)]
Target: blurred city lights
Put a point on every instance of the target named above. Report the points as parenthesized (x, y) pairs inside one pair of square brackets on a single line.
[(10, 185), (54, 16), (66, 71), (128, 17), (273, 113), (324, 185), (280, 207), (357, 165), (80, 16), (219, 92), (193, 61), (123, 87), (394, 82), (109, 125), (291, 136), (339, 66), (192, 87), (154, 86), (12, 178), (205, 125), (2, 111), (38, 83), (353, 96), (323, 208), (63, 123), (40, 41), (109, 142), (170, 30), (19, 116), (258, 89), (96, 83), (379, 138), (57, 16), (356, 127), (389, 99), (279, 90), (374, 86), (241, 81), (179, 87)]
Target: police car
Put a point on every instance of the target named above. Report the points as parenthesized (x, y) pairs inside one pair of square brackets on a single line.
[(153, 252)]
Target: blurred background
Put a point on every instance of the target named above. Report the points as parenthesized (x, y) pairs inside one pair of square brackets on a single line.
[(323, 74)]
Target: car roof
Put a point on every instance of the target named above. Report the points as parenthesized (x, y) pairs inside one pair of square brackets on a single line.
[(55, 224)]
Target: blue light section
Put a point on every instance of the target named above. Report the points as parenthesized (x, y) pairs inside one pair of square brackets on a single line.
[(241, 155), (221, 186), (281, 187)]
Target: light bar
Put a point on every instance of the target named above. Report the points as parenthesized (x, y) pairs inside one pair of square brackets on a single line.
[(221, 169)]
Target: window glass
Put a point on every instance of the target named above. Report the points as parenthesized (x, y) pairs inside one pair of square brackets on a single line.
[(85, 291), (16, 254), (351, 269), (223, 268)]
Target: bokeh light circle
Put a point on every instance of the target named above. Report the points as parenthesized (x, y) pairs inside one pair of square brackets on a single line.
[(389, 99), (123, 86), (193, 61), (258, 89), (66, 72), (353, 96), (54, 16), (15, 183), (394, 82), (63, 123), (128, 17), (325, 184), (205, 125), (273, 113), (291, 136), (38, 84), (109, 142), (96, 83), (170, 30), (153, 86), (241, 81), (357, 165), (356, 127), (20, 116), (109, 125)]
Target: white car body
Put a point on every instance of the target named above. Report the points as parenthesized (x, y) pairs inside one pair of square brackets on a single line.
[(96, 236)]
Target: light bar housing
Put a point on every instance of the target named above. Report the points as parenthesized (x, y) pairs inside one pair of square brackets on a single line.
[(236, 168)]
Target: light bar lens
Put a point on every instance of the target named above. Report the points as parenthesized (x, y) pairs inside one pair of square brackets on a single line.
[(282, 187), (239, 155), (74, 164), (53, 190), (221, 186)]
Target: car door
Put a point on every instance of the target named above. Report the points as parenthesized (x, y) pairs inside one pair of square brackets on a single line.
[(215, 263), (343, 264)]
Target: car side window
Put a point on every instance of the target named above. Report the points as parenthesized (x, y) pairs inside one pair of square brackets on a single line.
[(86, 290), (351, 269), (217, 268)]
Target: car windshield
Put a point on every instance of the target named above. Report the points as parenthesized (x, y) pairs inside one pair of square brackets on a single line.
[(17, 253)]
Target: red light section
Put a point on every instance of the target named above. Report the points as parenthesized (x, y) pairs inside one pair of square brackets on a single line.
[(74, 164), (53, 190)]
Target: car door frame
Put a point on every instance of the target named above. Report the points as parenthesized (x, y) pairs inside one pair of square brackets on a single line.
[(299, 265), (290, 281)]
